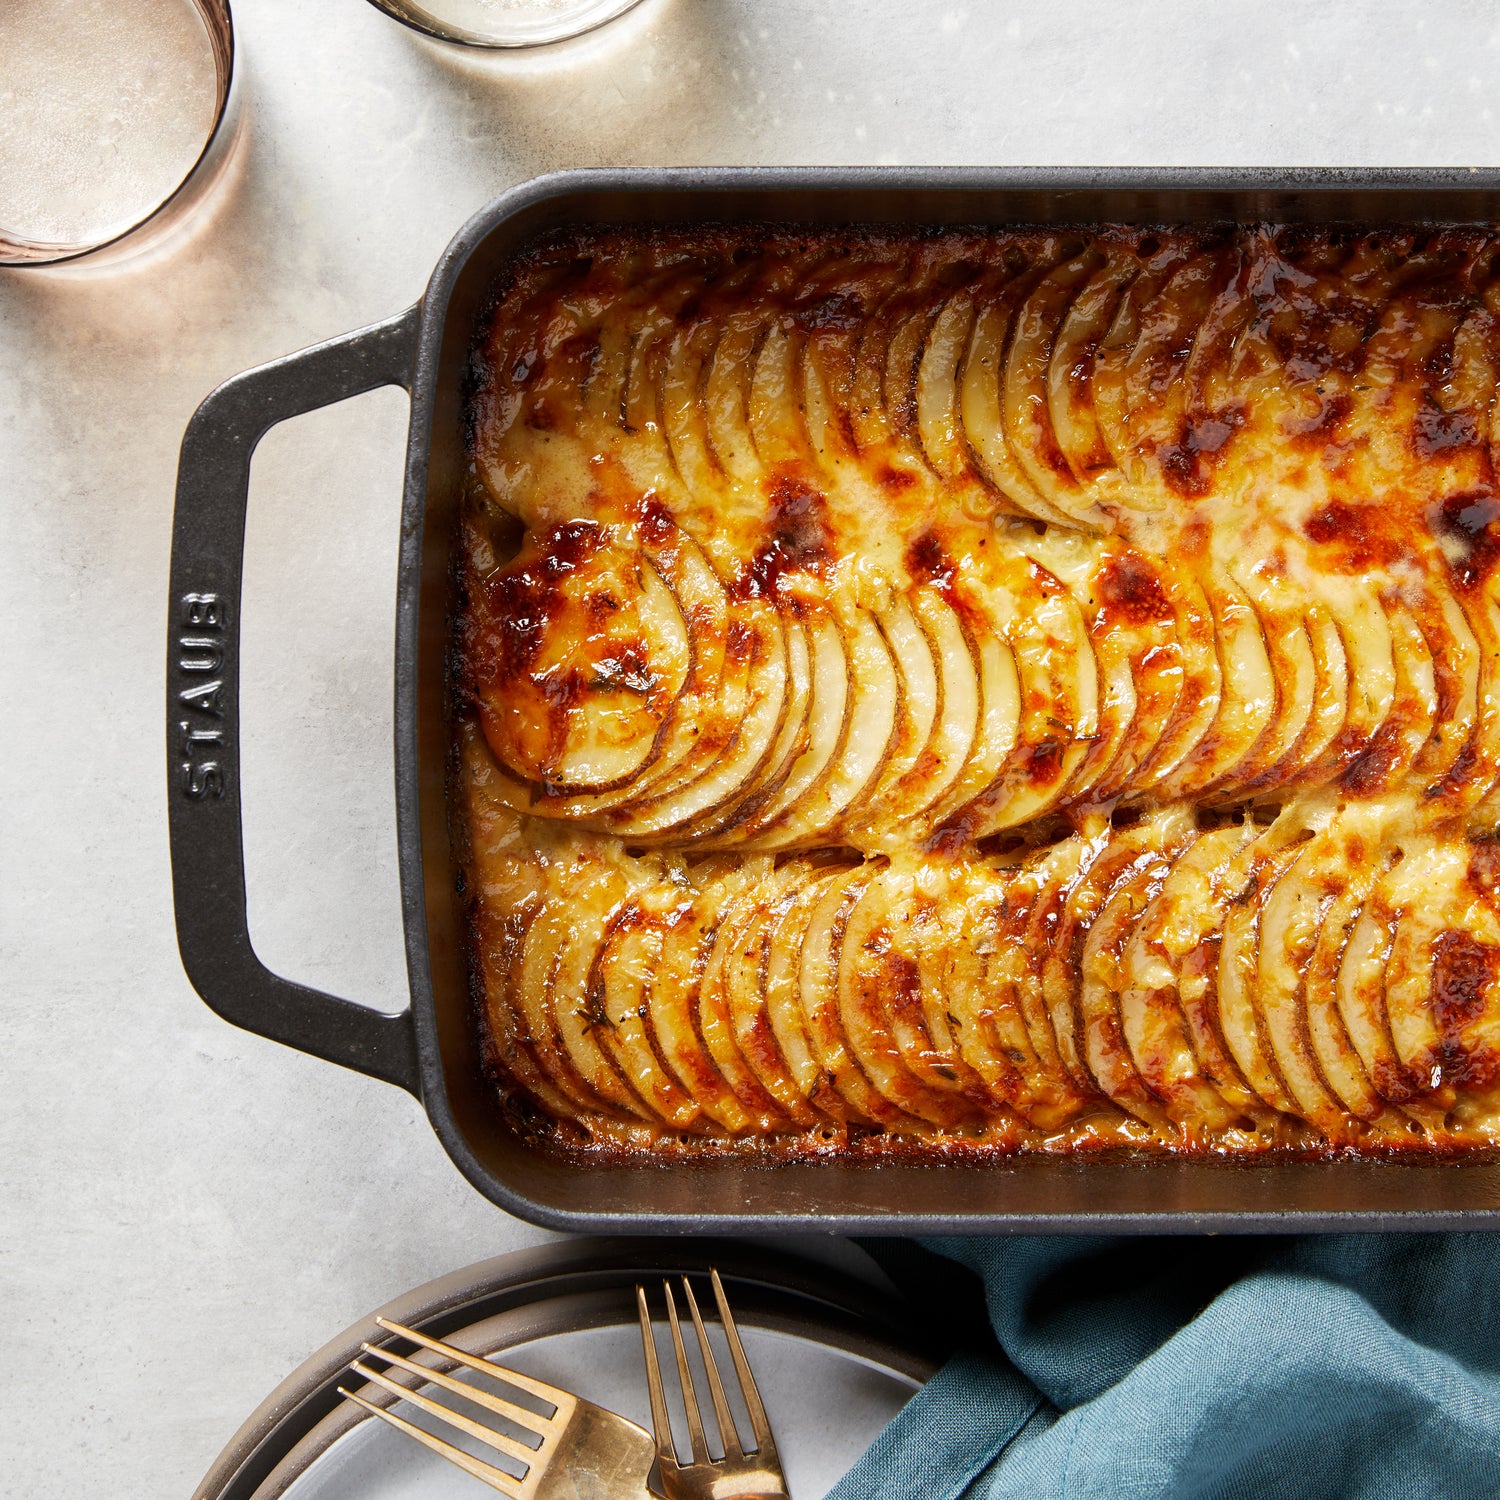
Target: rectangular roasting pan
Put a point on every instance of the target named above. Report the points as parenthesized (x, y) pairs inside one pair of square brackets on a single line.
[(430, 1049)]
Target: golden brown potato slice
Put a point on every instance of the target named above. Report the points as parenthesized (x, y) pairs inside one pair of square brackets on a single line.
[(902, 372), (718, 996), (1070, 373), (1281, 615), (688, 945), (1114, 859), (827, 712), (791, 741), (743, 993), (819, 992), (1338, 1061), (1198, 699), (1154, 418), (879, 1003), (1329, 711), (939, 421), (778, 426), (1036, 913), (617, 998), (641, 444), (578, 655), (1385, 763), (1152, 1021), (1026, 410), (984, 1013), (1370, 649), (683, 413), (871, 423), (1239, 952), (1058, 676), (984, 611), (1455, 665), (701, 602), (981, 397), (565, 937), (907, 790), (1078, 561), (941, 941), (1132, 600), (1196, 940), (736, 390), (726, 392), (1248, 698), (916, 713), (919, 964), (1291, 921), (783, 996), (1099, 975), (1482, 609), (1109, 384), (500, 937), (866, 736), (737, 756), (1361, 1001)]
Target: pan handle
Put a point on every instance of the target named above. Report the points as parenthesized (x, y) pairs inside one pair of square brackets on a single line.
[(203, 707)]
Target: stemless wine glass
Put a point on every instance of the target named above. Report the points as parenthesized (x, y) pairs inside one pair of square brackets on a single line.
[(504, 23), (115, 120)]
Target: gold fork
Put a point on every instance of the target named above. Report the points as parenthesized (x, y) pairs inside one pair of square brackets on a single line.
[(585, 1453), (738, 1475)]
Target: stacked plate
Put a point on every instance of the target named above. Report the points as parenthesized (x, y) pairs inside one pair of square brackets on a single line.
[(835, 1358)]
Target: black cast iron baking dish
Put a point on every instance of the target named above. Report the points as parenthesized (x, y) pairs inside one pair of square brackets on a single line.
[(431, 1048)]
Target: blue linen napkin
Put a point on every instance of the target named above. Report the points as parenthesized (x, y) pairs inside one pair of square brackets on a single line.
[(1347, 1366)]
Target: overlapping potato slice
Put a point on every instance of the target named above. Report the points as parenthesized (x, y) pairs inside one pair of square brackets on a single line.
[(1291, 917), (880, 1005), (981, 379), (819, 991), (690, 942), (617, 999), (782, 991), (1023, 936), (1338, 1061), (581, 651), (1162, 976), (561, 943), (1032, 626), (720, 993), (1095, 968), (1026, 407), (866, 736), (910, 788), (745, 1004), (1247, 700), (1440, 1001), (984, 1016)]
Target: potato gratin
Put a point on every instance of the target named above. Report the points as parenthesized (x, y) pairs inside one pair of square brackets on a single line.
[(988, 691)]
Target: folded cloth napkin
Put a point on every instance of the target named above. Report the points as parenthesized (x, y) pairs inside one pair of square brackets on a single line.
[(1344, 1366)]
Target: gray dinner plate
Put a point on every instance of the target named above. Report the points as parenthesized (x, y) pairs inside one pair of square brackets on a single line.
[(834, 1354)]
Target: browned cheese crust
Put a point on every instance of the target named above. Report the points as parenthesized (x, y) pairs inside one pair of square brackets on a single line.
[(987, 692)]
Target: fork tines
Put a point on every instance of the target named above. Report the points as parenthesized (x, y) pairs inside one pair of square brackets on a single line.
[(534, 1459), (737, 1472)]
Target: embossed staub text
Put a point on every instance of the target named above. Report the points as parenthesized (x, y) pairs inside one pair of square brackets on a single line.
[(201, 646)]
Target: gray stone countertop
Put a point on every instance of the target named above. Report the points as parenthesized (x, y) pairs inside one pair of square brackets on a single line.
[(187, 1210)]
